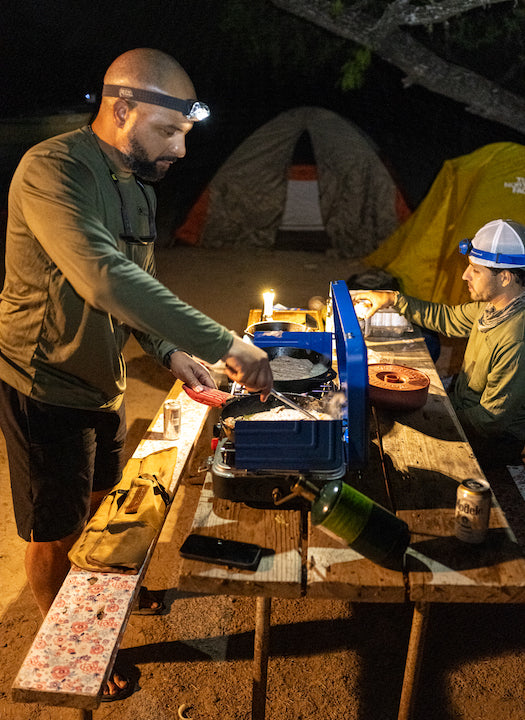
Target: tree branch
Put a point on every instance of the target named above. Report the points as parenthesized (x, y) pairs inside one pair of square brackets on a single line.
[(421, 66), (401, 12)]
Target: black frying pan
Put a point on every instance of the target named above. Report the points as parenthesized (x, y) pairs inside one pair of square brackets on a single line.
[(274, 326), (301, 385)]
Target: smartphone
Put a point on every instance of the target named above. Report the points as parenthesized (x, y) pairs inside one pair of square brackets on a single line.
[(224, 552)]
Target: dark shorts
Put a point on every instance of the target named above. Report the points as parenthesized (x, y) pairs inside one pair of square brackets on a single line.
[(57, 457)]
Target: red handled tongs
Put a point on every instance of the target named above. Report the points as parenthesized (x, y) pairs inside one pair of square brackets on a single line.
[(208, 396)]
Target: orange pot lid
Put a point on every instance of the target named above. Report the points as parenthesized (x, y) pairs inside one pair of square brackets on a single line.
[(397, 386)]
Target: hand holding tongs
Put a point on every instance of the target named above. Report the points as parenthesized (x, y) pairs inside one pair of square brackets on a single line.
[(291, 404)]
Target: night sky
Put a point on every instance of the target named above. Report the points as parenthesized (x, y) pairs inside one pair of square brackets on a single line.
[(52, 52)]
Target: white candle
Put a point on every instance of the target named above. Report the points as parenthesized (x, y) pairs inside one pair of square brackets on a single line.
[(268, 304)]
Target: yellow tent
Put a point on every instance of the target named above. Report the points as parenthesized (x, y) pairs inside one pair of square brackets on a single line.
[(468, 192)]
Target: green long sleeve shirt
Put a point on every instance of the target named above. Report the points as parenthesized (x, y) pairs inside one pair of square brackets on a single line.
[(489, 393), (74, 289)]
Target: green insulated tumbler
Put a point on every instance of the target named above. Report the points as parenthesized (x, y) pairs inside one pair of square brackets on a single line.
[(364, 525)]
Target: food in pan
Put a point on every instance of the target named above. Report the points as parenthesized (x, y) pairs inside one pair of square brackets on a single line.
[(277, 413), (285, 367)]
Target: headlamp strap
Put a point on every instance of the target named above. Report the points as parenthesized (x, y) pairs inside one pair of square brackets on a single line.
[(150, 97), (466, 248)]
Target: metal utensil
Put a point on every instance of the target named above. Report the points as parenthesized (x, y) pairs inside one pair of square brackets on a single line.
[(291, 404)]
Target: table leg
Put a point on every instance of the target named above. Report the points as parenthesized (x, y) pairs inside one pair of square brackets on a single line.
[(260, 657), (416, 644), (86, 715)]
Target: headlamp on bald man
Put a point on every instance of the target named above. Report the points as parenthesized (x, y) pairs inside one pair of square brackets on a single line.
[(191, 109)]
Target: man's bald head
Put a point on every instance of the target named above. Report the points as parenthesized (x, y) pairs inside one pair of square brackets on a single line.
[(144, 115), (150, 69)]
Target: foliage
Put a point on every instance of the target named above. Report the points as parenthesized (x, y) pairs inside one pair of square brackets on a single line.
[(490, 41), (260, 35), (353, 72)]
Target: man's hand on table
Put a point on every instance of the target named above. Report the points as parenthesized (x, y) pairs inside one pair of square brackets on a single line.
[(374, 300), (249, 365), (191, 372)]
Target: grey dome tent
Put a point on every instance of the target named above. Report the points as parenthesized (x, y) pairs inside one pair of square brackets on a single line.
[(359, 204)]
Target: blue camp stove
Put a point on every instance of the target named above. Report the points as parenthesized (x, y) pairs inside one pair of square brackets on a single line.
[(261, 463)]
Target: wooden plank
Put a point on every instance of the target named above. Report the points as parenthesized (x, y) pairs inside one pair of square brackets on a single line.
[(75, 647), (194, 417), (428, 456), (336, 571), (278, 531), (74, 650)]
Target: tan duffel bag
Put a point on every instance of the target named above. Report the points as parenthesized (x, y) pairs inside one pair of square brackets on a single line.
[(119, 535)]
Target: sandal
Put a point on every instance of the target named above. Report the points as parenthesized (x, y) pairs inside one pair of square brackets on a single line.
[(148, 603), (120, 692)]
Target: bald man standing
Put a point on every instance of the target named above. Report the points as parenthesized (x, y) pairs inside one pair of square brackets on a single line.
[(80, 277)]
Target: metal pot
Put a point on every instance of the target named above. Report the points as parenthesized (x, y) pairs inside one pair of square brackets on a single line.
[(301, 385), (274, 326), (251, 404)]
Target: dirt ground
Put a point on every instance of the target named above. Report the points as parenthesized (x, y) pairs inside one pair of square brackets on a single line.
[(329, 659)]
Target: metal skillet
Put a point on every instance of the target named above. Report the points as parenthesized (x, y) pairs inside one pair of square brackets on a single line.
[(301, 384)]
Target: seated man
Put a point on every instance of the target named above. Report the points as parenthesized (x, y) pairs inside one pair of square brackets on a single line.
[(489, 392)]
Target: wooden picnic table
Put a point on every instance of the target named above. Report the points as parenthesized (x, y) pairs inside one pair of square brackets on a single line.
[(417, 459)]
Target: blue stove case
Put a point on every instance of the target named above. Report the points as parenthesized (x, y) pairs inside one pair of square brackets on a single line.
[(323, 445)]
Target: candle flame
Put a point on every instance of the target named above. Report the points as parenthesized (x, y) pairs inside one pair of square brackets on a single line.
[(268, 298)]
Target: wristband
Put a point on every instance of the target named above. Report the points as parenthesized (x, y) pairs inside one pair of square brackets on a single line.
[(166, 358)]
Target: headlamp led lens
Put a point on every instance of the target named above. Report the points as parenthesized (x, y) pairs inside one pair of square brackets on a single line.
[(465, 246), (198, 111)]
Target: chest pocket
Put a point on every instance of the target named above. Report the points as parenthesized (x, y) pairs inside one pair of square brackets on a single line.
[(141, 253), (138, 231)]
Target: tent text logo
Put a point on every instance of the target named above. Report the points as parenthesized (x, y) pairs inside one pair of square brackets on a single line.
[(518, 187)]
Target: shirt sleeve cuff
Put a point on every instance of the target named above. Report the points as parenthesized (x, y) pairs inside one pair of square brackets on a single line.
[(167, 356)]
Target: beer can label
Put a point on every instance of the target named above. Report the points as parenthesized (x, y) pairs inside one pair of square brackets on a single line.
[(473, 502), (172, 419)]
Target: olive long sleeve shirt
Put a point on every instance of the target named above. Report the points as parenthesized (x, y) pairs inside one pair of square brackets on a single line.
[(489, 393), (74, 289)]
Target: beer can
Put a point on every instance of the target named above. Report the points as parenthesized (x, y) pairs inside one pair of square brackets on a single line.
[(473, 502), (172, 419)]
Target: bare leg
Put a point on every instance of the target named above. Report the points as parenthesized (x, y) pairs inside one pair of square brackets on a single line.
[(47, 563)]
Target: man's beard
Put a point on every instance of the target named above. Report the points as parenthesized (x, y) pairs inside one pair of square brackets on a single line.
[(137, 161), (486, 294)]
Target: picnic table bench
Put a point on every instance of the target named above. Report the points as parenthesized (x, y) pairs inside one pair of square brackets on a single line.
[(73, 652)]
